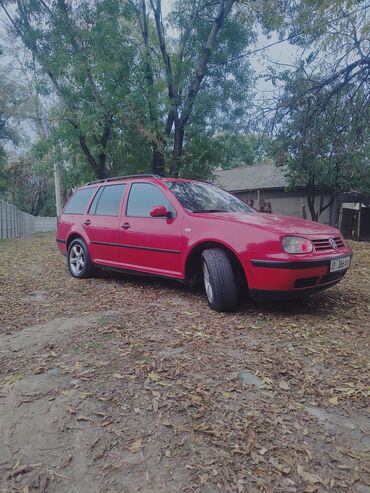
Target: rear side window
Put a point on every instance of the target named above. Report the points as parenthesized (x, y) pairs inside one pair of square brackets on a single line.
[(143, 196), (79, 201), (108, 200)]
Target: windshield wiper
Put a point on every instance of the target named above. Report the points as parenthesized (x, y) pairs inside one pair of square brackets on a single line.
[(208, 210)]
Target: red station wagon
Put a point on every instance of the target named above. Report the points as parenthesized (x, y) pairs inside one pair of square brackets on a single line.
[(192, 230)]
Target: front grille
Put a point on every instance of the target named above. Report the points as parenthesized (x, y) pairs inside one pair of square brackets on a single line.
[(305, 282), (332, 276), (324, 244)]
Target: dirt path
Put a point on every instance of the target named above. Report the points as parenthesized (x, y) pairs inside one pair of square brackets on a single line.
[(118, 384)]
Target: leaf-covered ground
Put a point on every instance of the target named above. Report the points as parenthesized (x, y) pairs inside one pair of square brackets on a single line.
[(126, 384)]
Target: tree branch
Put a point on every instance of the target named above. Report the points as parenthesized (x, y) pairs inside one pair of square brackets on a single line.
[(223, 11)]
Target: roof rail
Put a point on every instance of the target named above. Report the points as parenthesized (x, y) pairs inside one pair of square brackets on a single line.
[(114, 178)]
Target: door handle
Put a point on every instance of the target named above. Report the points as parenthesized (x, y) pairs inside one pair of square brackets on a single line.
[(87, 222), (126, 226)]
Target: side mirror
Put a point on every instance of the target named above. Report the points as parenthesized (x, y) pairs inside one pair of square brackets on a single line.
[(159, 211)]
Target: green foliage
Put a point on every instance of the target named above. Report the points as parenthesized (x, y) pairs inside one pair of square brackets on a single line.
[(85, 51), (4, 182), (126, 83), (27, 189), (128, 90), (326, 146), (11, 97), (322, 117)]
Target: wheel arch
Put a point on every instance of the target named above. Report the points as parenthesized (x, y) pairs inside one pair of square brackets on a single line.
[(193, 260), (73, 236)]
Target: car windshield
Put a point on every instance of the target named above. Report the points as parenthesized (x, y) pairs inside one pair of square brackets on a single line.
[(205, 197)]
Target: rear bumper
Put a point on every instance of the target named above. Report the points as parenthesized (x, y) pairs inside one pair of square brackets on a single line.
[(289, 278), (62, 246)]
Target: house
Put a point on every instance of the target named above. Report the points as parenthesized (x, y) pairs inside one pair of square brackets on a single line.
[(266, 187)]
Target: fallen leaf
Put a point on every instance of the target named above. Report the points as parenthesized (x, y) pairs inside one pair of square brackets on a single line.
[(118, 375), (284, 385), (155, 405), (136, 445), (306, 476), (333, 400), (153, 377), (284, 468), (85, 395), (344, 466), (10, 382), (267, 381), (83, 418)]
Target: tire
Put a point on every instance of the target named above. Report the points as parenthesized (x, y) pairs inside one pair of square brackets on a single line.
[(79, 260), (219, 280)]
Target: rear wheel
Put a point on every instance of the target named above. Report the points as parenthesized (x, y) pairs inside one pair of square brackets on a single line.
[(79, 261), (219, 280)]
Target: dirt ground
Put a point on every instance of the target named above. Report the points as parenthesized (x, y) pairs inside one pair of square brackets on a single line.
[(124, 384)]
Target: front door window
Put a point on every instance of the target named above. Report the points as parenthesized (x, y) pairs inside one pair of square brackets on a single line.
[(144, 196)]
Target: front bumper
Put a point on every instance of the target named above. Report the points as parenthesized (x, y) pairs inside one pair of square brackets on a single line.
[(289, 278)]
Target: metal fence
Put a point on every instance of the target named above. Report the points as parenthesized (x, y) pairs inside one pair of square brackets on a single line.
[(15, 223)]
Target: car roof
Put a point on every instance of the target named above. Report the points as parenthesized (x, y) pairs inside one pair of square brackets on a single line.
[(145, 177)]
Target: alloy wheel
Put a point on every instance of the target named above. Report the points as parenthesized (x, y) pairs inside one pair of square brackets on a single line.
[(77, 259), (207, 283)]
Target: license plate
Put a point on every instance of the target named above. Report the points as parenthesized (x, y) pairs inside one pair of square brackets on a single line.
[(340, 264)]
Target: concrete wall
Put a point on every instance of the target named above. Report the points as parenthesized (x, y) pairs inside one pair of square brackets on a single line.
[(15, 223), (44, 224), (287, 203)]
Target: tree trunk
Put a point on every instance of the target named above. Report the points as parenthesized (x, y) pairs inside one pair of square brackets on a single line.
[(158, 160), (177, 147), (223, 11), (311, 206), (324, 207), (97, 166)]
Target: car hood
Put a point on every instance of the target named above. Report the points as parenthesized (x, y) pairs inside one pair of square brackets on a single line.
[(276, 223)]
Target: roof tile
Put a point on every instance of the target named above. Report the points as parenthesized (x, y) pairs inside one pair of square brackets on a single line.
[(251, 178)]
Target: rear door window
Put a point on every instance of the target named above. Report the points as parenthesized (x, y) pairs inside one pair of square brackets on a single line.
[(108, 200), (79, 201), (143, 196)]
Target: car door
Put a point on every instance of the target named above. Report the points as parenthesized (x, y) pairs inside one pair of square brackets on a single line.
[(151, 244), (102, 224)]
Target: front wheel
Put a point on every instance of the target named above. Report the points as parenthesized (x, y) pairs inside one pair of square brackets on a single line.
[(79, 261), (219, 280)]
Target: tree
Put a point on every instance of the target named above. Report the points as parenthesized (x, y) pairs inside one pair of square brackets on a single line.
[(326, 148), (336, 37), (321, 115), (207, 82), (134, 85), (28, 189), (11, 98), (333, 42), (83, 48)]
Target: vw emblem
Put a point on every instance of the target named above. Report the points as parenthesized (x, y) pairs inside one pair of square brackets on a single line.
[(333, 243)]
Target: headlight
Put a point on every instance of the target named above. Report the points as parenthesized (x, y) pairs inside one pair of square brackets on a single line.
[(295, 244)]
